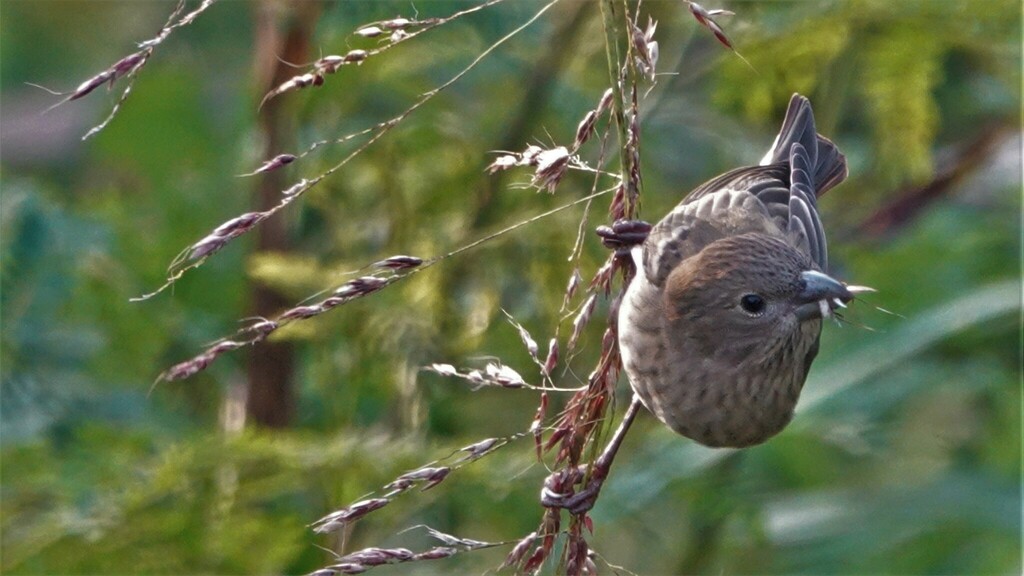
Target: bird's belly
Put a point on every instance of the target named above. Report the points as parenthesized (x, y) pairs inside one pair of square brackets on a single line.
[(722, 412)]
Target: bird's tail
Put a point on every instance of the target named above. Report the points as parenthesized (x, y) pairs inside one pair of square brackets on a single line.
[(798, 127)]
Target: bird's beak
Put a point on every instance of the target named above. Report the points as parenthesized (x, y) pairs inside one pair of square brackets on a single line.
[(819, 295)]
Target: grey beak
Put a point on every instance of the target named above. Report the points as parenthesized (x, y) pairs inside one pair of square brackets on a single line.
[(815, 288)]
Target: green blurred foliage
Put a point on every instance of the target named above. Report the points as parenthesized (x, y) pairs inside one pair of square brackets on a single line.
[(904, 456)]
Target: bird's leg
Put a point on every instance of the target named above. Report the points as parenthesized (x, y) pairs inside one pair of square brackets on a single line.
[(624, 234), (558, 488)]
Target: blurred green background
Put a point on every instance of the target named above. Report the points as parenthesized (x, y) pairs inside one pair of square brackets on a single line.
[(904, 456)]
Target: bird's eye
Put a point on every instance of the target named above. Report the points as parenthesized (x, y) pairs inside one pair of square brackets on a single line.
[(752, 304)]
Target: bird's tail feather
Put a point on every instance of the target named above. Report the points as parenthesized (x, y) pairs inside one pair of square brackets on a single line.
[(831, 169), (829, 164)]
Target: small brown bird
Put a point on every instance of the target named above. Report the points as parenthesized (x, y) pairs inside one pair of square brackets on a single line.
[(721, 323)]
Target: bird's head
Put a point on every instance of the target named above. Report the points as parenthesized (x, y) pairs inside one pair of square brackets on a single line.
[(743, 297)]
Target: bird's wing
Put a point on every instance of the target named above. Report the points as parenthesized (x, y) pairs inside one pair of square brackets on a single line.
[(775, 199), (778, 196), (703, 218), (815, 165), (804, 223)]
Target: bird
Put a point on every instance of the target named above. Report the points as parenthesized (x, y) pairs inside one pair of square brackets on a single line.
[(720, 324)]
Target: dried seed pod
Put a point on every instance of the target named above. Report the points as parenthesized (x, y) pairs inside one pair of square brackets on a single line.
[(89, 85), (398, 486), (573, 285), (126, 64), (331, 302), (400, 262), (451, 540), (603, 275), (652, 27), (605, 102), (552, 360), (551, 166), (536, 427), (524, 335), (350, 513), (476, 377), (585, 128), (504, 376), (290, 85), (206, 246), (639, 43), (356, 56), (634, 130), (273, 164), (295, 188), (436, 478), (187, 368), (396, 23), (329, 64), (443, 369), (617, 207), (646, 49), (301, 312), (224, 346), (368, 284), (581, 320), (436, 553), (529, 156), (345, 291), (281, 160), (577, 555), (419, 473), (703, 16), (608, 340), (378, 556), (348, 568), (433, 476), (556, 436), (369, 32), (481, 448), (263, 327), (237, 225), (361, 286), (535, 560), (550, 159), (519, 550), (118, 69), (502, 163)]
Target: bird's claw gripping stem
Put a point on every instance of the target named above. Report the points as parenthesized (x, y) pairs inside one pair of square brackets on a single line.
[(558, 489), (624, 234)]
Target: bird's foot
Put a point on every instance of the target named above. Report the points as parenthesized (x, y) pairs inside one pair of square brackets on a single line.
[(558, 490), (624, 234)]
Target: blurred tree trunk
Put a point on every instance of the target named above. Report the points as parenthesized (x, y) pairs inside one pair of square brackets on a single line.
[(283, 31)]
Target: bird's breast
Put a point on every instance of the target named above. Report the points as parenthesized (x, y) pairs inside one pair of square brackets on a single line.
[(716, 404)]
